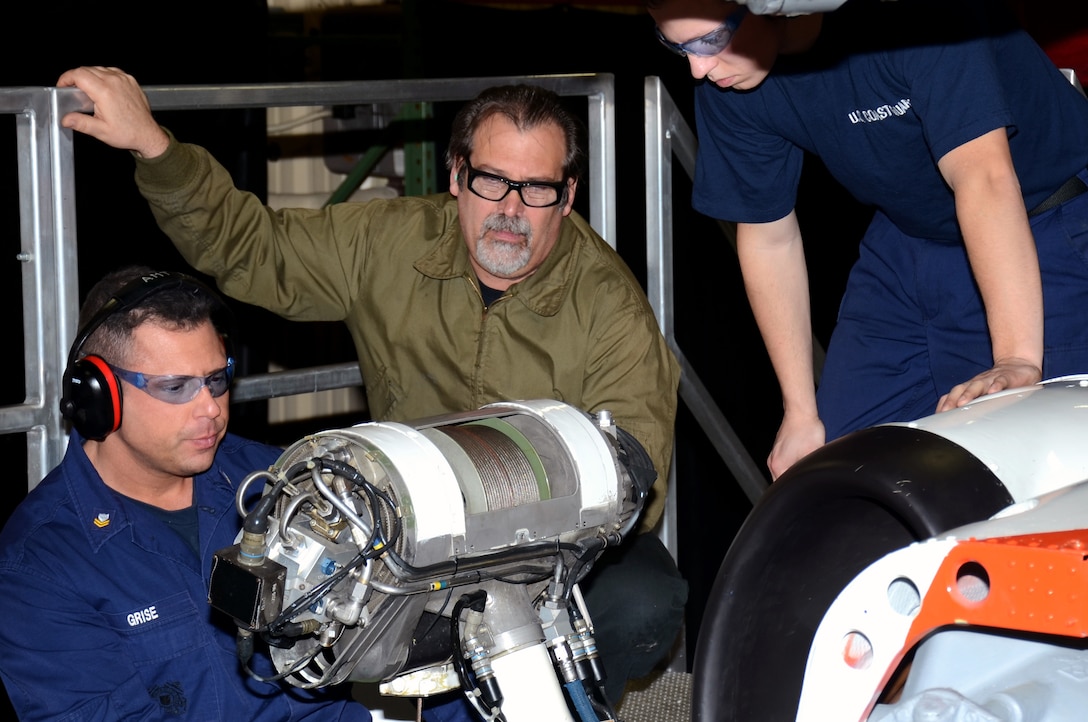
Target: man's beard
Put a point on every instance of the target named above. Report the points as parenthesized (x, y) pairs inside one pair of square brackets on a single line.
[(498, 257)]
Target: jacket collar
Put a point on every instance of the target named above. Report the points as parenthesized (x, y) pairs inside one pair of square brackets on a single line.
[(106, 513), (542, 293), (99, 509)]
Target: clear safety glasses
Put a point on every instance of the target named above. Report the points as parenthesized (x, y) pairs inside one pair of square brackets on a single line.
[(176, 389), (710, 44)]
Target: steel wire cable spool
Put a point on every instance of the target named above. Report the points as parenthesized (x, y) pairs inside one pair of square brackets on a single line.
[(506, 475)]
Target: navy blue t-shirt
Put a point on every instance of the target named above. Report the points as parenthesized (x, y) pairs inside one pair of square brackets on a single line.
[(887, 90)]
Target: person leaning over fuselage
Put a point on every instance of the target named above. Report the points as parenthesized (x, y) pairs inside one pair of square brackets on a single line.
[(971, 146)]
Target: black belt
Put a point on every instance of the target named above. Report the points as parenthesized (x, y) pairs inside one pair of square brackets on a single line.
[(1070, 189)]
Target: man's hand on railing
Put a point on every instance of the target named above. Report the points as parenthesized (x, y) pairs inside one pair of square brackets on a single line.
[(122, 116)]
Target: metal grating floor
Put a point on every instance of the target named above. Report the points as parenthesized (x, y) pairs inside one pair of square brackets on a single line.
[(660, 697)]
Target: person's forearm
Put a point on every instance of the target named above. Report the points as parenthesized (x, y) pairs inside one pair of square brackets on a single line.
[(632, 354), (775, 277), (1000, 246), (1006, 268)]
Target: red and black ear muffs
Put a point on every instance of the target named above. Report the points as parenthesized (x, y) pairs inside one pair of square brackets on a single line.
[(91, 397)]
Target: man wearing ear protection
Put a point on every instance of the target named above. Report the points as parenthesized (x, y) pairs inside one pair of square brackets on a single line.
[(104, 566), (496, 290)]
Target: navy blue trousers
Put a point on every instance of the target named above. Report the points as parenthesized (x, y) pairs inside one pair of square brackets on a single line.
[(912, 325)]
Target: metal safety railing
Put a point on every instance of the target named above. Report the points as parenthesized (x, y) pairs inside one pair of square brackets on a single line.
[(668, 135)]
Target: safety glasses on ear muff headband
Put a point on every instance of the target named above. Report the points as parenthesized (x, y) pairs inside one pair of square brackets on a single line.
[(709, 45), (175, 388)]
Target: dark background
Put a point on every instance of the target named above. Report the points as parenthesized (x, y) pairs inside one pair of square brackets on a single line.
[(235, 41)]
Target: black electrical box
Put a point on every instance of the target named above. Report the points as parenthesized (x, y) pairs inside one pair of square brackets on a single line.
[(251, 594)]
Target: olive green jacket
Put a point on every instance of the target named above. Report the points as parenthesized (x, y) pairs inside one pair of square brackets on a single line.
[(397, 272)]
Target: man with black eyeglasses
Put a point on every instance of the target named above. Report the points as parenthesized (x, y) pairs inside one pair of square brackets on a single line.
[(493, 291), (104, 566)]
